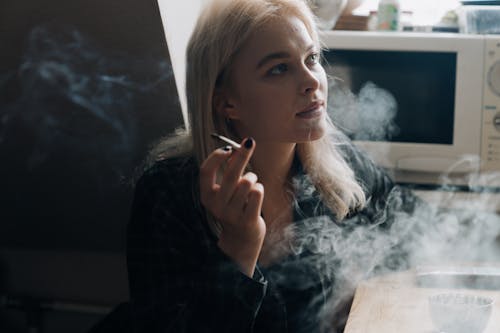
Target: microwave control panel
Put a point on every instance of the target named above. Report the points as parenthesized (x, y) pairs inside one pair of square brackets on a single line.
[(490, 146)]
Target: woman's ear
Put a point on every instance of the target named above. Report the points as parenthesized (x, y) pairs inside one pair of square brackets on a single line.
[(223, 105)]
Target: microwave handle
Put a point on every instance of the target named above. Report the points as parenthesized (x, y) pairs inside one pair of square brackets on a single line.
[(437, 164)]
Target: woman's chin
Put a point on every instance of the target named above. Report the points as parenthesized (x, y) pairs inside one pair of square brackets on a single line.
[(312, 135)]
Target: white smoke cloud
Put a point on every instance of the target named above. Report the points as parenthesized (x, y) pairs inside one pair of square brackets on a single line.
[(367, 116), (71, 96)]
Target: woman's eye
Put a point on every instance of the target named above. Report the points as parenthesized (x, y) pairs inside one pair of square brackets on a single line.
[(313, 59), (278, 69)]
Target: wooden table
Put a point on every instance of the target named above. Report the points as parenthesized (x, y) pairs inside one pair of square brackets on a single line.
[(395, 304)]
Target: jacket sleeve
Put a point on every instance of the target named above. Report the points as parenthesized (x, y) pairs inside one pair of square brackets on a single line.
[(179, 279)]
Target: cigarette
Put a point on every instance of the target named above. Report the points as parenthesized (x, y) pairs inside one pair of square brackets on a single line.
[(226, 140)]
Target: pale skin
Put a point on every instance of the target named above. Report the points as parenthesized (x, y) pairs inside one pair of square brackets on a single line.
[(277, 96)]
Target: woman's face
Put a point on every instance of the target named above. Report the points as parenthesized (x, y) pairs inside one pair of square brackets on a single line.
[(278, 88)]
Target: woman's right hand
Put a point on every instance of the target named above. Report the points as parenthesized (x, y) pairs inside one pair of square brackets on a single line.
[(236, 203)]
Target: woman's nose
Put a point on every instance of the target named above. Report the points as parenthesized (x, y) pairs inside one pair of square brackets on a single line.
[(309, 82)]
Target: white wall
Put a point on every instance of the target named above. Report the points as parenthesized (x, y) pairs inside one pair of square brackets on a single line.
[(179, 18)]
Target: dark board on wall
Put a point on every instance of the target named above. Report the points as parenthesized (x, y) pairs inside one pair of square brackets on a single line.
[(86, 87)]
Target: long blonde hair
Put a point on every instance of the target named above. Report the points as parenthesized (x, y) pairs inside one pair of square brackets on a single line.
[(221, 31)]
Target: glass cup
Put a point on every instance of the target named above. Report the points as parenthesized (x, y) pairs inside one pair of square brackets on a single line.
[(460, 313)]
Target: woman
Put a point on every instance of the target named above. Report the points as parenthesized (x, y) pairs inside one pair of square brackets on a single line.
[(220, 238)]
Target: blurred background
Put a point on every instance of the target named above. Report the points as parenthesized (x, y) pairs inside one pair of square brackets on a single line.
[(86, 88)]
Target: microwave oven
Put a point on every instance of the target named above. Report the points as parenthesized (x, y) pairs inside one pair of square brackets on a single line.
[(423, 105)]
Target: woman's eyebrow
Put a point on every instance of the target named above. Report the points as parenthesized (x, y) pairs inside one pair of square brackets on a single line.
[(280, 55), (272, 56)]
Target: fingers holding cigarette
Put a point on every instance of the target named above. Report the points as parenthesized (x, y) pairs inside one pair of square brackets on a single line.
[(236, 156), (235, 202)]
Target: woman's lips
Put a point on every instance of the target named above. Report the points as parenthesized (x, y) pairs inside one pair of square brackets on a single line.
[(314, 110)]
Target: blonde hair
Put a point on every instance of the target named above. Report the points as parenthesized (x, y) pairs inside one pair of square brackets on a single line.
[(221, 31)]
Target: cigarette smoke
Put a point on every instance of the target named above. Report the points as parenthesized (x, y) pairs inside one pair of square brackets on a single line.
[(67, 95), (395, 234), (367, 116)]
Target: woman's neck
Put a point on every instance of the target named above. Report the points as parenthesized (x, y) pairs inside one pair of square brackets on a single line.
[(272, 163)]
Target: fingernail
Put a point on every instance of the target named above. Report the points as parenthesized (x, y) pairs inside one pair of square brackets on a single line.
[(248, 143), (227, 148)]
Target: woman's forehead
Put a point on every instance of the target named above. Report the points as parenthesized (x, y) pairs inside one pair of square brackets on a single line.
[(278, 35)]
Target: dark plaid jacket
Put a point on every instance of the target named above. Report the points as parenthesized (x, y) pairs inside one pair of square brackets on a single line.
[(180, 281)]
